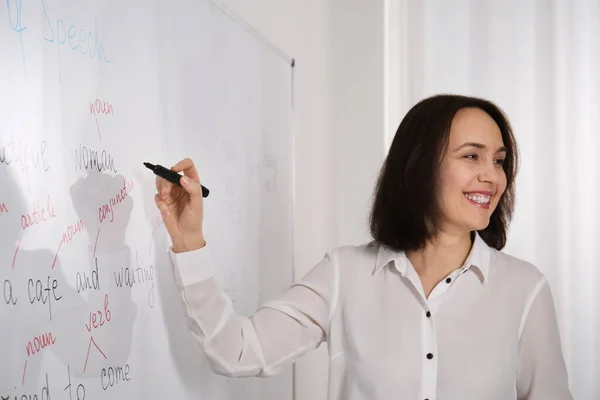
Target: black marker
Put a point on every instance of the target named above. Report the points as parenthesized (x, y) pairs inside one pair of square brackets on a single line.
[(171, 176)]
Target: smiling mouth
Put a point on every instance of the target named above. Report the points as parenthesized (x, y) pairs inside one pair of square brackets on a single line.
[(479, 199)]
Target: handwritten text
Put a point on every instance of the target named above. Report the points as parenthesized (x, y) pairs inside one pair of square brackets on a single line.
[(111, 376), (79, 392), (84, 282), (36, 292), (39, 343), (8, 293), (15, 19), (37, 217), (97, 318), (44, 394), (71, 231), (67, 236), (108, 208), (90, 159), (101, 107), (79, 40), (24, 155), (130, 276)]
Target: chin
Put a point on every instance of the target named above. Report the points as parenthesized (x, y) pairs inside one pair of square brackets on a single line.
[(478, 224), (481, 226)]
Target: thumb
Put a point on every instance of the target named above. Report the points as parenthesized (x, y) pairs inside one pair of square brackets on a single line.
[(194, 189)]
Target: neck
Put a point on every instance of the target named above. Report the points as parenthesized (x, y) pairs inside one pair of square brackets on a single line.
[(441, 255)]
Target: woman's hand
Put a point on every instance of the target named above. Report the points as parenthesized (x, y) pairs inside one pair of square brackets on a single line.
[(182, 208)]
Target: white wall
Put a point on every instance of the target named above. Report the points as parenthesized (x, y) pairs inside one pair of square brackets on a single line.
[(356, 51), (339, 121)]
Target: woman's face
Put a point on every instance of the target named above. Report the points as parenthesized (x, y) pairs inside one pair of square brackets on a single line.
[(472, 178)]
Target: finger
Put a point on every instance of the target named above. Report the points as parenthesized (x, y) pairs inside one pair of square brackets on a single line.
[(163, 187), (167, 216), (194, 189), (188, 168), (162, 206)]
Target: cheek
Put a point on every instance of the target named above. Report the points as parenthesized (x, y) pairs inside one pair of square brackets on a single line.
[(502, 183), (501, 188), (456, 178), (452, 198)]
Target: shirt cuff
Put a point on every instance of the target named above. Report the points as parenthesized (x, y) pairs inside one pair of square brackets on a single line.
[(192, 266)]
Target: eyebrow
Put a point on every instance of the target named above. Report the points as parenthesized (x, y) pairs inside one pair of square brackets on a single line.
[(480, 146)]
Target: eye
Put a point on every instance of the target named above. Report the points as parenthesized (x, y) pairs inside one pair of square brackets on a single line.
[(500, 161), (471, 157)]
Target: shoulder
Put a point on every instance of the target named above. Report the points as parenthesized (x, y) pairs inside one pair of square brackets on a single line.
[(354, 265), (357, 261), (514, 274), (507, 264), (362, 256)]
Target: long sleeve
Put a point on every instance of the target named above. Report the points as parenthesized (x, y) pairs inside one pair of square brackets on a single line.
[(277, 333), (542, 374)]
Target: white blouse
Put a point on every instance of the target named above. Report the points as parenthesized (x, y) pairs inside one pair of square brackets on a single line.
[(487, 332)]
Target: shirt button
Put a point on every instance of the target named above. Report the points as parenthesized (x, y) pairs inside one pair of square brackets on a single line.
[(429, 356), (448, 280), (428, 315)]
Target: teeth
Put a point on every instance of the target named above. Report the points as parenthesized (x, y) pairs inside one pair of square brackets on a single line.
[(479, 198)]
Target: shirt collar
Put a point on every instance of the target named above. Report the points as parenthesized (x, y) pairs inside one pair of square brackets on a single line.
[(479, 257)]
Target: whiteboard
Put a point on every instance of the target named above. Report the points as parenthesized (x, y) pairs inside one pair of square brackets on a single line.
[(89, 91)]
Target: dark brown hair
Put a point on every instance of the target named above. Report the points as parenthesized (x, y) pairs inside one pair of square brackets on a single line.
[(405, 208)]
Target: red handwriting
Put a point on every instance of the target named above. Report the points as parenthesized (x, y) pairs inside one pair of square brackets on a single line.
[(101, 107), (108, 209), (88, 352), (24, 372), (97, 318), (3, 208), (56, 255), (34, 346), (38, 217), (98, 127), (39, 343), (71, 231), (67, 236), (15, 256), (96, 243)]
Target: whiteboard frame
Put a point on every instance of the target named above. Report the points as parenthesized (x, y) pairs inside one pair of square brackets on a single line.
[(292, 62), (237, 19)]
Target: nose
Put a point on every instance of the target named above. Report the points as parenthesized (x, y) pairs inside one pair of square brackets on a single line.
[(489, 172)]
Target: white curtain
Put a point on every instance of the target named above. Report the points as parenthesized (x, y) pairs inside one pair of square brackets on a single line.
[(540, 62)]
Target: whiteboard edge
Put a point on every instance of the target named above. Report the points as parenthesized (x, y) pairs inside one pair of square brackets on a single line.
[(236, 18), (293, 199), (292, 62)]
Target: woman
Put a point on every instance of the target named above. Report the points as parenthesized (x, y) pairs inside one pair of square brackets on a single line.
[(431, 309)]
